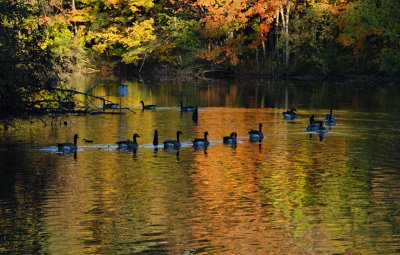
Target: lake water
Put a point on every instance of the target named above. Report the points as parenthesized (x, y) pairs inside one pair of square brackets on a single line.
[(293, 193)]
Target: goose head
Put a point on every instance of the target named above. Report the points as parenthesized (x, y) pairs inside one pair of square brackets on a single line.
[(135, 136)]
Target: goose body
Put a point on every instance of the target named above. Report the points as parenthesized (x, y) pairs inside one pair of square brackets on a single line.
[(187, 108), (173, 144), (148, 107), (109, 105), (231, 139), (290, 115), (256, 135), (69, 147), (128, 144), (201, 142), (330, 123), (313, 126)]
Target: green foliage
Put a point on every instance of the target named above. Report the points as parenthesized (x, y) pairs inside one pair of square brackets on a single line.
[(28, 73), (390, 61), (179, 42), (313, 37), (371, 29)]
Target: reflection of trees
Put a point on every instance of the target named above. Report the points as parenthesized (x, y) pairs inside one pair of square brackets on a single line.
[(291, 195), (251, 93), (25, 177)]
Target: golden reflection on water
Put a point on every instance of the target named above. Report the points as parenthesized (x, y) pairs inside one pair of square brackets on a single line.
[(289, 194)]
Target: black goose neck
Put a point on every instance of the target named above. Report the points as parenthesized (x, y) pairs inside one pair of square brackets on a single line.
[(155, 139)]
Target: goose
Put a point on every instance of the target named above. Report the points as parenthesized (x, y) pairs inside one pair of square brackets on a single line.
[(330, 116), (195, 114), (155, 139), (173, 144), (313, 126), (330, 119), (128, 144), (256, 135), (321, 130), (87, 140), (231, 139), (201, 142), (187, 108), (290, 115), (148, 107), (69, 147), (110, 105)]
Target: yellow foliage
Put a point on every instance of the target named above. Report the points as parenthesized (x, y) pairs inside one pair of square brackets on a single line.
[(134, 4), (138, 33), (111, 2)]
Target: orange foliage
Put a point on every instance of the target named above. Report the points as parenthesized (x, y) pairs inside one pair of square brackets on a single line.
[(221, 54), (266, 11), (225, 21), (43, 20)]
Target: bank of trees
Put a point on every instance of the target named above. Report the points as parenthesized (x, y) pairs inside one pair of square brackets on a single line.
[(275, 37), (30, 73)]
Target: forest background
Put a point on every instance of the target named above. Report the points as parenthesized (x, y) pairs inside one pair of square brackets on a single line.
[(267, 37), (42, 39)]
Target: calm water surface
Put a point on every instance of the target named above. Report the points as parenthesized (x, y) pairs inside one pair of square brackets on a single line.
[(291, 194)]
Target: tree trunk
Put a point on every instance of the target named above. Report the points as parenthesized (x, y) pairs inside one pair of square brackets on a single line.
[(276, 27), (287, 34), (263, 47), (284, 15), (74, 26)]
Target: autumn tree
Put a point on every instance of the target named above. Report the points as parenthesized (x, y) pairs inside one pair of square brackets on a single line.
[(177, 26), (232, 25), (29, 73), (120, 29), (314, 31), (298, 37), (371, 29)]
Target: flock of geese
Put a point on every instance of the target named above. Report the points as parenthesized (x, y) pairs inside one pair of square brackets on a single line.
[(254, 135)]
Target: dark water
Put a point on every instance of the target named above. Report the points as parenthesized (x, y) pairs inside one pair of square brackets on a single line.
[(290, 194)]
